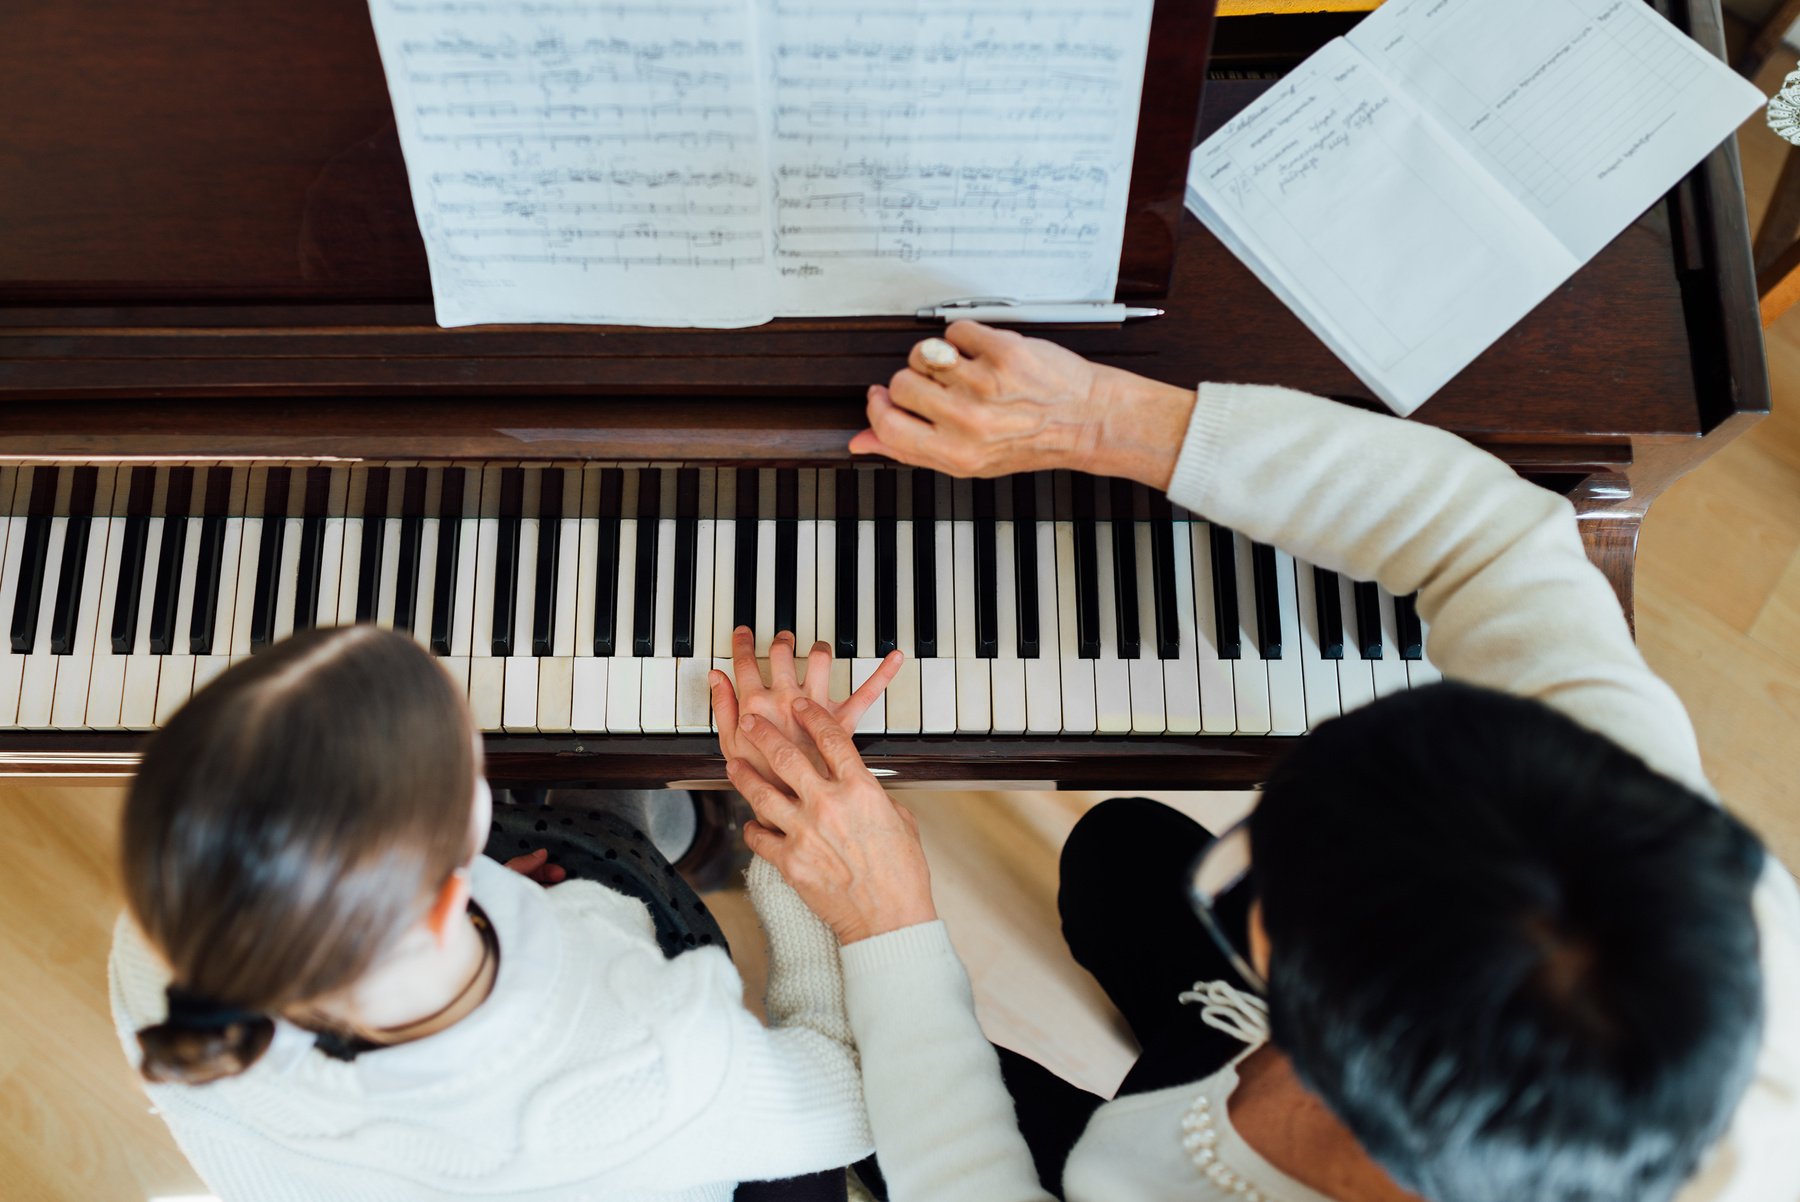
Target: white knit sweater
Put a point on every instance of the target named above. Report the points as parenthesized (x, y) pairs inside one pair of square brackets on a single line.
[(1513, 604), (596, 1070)]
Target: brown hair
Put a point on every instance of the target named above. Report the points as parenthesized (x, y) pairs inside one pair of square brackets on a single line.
[(287, 826)]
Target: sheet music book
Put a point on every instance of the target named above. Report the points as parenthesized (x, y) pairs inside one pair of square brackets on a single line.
[(1416, 188), (723, 162)]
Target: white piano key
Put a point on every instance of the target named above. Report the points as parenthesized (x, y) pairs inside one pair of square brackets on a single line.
[(937, 696), (974, 685), (1249, 673), (1218, 683), (874, 719), (175, 679), (1319, 674), (525, 595), (724, 579), (825, 571), (37, 691), (806, 563), (230, 555), (519, 677), (764, 625), (468, 575), (389, 578), (1079, 701), (903, 715), (486, 674), (1008, 670), (865, 580), (331, 554), (587, 544), (75, 672), (12, 529), (1356, 679), (1147, 705), (1043, 680), (106, 685), (1112, 675), (245, 588), (944, 541), (349, 569), (1287, 677), (587, 711), (568, 585), (1422, 672), (1390, 669), (207, 669), (693, 692), (656, 705), (625, 678), (425, 591), (556, 693), (1181, 675), (287, 579)]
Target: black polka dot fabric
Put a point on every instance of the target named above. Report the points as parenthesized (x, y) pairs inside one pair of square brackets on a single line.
[(600, 846)]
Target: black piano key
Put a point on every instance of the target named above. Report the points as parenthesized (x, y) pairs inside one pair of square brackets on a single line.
[(643, 614), (787, 550), (549, 550), (211, 568), (743, 599), (313, 516), (848, 512), (987, 572), (687, 537), (72, 576), (1162, 577), (1025, 563), (412, 540), (268, 559), (887, 553), (162, 633), (1125, 578), (29, 599), (1225, 594), (1331, 614), (449, 544), (506, 560), (606, 560), (140, 490), (1087, 568), (1409, 631), (374, 537), (1268, 599), (1368, 619), (925, 629)]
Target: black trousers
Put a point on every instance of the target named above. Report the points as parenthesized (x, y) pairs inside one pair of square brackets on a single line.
[(601, 846), (1127, 919)]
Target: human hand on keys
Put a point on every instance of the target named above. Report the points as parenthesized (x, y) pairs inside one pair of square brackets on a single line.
[(773, 702), (987, 402), (849, 850)]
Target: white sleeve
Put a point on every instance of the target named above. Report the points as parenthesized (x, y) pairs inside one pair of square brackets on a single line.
[(944, 1123), (1511, 598)]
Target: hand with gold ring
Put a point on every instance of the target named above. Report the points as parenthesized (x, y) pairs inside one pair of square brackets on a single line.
[(987, 402)]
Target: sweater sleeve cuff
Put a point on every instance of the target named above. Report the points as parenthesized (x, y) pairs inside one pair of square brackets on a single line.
[(1200, 448), (909, 945)]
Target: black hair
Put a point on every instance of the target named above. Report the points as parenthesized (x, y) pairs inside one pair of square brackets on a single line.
[(1519, 964)]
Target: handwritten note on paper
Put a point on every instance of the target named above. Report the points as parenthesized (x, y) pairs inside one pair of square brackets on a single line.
[(926, 150), (583, 161), (1595, 108), (720, 162), (1340, 188)]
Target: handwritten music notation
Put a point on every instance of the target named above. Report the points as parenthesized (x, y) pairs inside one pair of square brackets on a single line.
[(712, 162)]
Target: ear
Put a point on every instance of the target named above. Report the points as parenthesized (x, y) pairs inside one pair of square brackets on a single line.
[(451, 902)]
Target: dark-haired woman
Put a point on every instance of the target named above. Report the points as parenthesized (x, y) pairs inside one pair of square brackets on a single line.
[(333, 995)]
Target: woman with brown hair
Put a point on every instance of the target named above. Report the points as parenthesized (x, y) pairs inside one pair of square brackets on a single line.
[(332, 994)]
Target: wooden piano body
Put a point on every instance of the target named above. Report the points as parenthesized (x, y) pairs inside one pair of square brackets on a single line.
[(212, 258)]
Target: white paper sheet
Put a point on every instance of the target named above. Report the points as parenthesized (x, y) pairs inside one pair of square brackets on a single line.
[(1413, 191), (720, 162)]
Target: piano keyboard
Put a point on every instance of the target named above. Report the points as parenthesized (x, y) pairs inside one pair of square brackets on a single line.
[(595, 599)]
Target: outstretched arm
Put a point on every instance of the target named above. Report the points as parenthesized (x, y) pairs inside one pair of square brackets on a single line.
[(1512, 601)]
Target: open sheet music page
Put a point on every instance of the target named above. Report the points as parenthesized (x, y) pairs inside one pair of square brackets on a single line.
[(1414, 190), (931, 150), (1586, 110), (1376, 228), (583, 161), (719, 162)]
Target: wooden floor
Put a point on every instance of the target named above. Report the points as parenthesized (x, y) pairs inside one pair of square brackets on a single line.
[(1719, 616)]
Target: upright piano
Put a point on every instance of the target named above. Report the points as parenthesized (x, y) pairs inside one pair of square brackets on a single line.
[(226, 414)]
